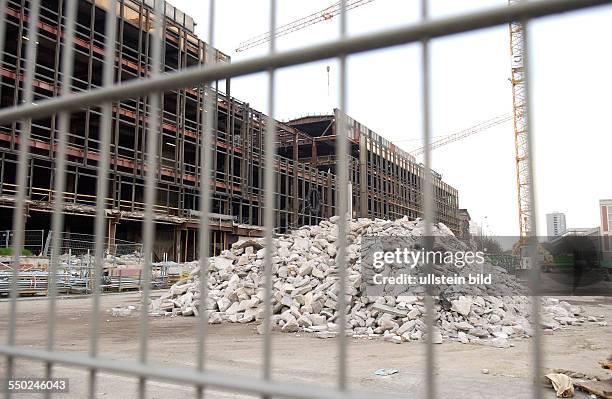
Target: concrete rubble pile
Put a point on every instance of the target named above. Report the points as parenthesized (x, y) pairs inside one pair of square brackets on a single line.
[(305, 292)]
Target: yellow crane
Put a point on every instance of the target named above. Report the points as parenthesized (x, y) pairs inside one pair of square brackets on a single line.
[(519, 114), (451, 138), (519, 117), (523, 183)]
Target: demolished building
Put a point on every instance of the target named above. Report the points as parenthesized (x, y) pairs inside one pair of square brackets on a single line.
[(387, 182)]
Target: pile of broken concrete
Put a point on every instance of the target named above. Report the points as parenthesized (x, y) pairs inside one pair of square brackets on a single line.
[(305, 292)]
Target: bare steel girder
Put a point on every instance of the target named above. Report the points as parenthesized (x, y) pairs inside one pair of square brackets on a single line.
[(319, 16)]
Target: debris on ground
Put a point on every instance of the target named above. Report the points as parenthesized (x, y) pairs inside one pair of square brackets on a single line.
[(386, 372), (607, 364), (591, 384), (598, 389), (122, 311), (575, 374), (305, 291), (562, 384)]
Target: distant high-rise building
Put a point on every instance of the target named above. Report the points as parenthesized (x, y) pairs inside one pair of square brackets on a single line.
[(555, 224), (605, 207)]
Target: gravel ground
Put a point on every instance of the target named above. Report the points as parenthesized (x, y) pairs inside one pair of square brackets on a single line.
[(299, 357)]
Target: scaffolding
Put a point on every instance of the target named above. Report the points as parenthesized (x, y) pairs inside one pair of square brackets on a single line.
[(305, 177), (201, 376), (387, 181)]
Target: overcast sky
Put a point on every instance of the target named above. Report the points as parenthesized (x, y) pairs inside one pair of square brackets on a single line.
[(572, 90)]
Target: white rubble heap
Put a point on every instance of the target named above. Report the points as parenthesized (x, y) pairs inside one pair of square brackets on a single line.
[(305, 292)]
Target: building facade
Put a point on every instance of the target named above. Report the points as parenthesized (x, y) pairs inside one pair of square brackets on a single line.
[(555, 224), (387, 181), (605, 209), (305, 190)]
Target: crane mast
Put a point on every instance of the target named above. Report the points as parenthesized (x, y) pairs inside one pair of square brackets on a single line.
[(519, 107)]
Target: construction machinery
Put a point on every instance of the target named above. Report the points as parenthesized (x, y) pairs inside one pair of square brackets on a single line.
[(519, 106), (451, 138), (320, 16), (526, 245)]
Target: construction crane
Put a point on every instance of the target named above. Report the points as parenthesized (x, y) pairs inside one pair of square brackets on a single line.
[(519, 116), (319, 16), (489, 123), (525, 209)]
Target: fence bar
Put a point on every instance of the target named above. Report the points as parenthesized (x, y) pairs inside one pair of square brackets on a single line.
[(151, 166), (269, 189), (203, 76), (428, 203), (343, 198), (393, 37), (177, 375), (535, 264), (19, 217), (110, 30), (57, 219), (205, 197)]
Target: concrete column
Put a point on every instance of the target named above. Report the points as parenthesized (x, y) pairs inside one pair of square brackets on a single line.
[(177, 244), (112, 232), (295, 200), (363, 176)]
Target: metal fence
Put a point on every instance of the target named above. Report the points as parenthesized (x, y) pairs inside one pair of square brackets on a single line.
[(85, 244), (33, 240), (200, 377)]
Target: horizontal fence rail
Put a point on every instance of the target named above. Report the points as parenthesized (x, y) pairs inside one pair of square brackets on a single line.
[(194, 75), (203, 77)]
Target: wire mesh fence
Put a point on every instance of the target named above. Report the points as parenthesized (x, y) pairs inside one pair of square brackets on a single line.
[(84, 244), (75, 271), (33, 241), (155, 82)]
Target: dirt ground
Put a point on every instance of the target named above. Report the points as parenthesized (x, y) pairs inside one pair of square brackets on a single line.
[(299, 357)]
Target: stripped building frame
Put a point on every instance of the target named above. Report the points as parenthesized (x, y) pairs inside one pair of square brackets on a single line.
[(305, 179), (26, 113)]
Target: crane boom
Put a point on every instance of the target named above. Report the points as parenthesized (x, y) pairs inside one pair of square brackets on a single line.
[(465, 133), (319, 16), (525, 211)]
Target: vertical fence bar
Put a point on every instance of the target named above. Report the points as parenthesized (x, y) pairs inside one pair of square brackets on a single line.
[(151, 173), (151, 166), (535, 264), (22, 175), (57, 222), (343, 198), (205, 195), (428, 204), (105, 132), (3, 4), (270, 205)]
